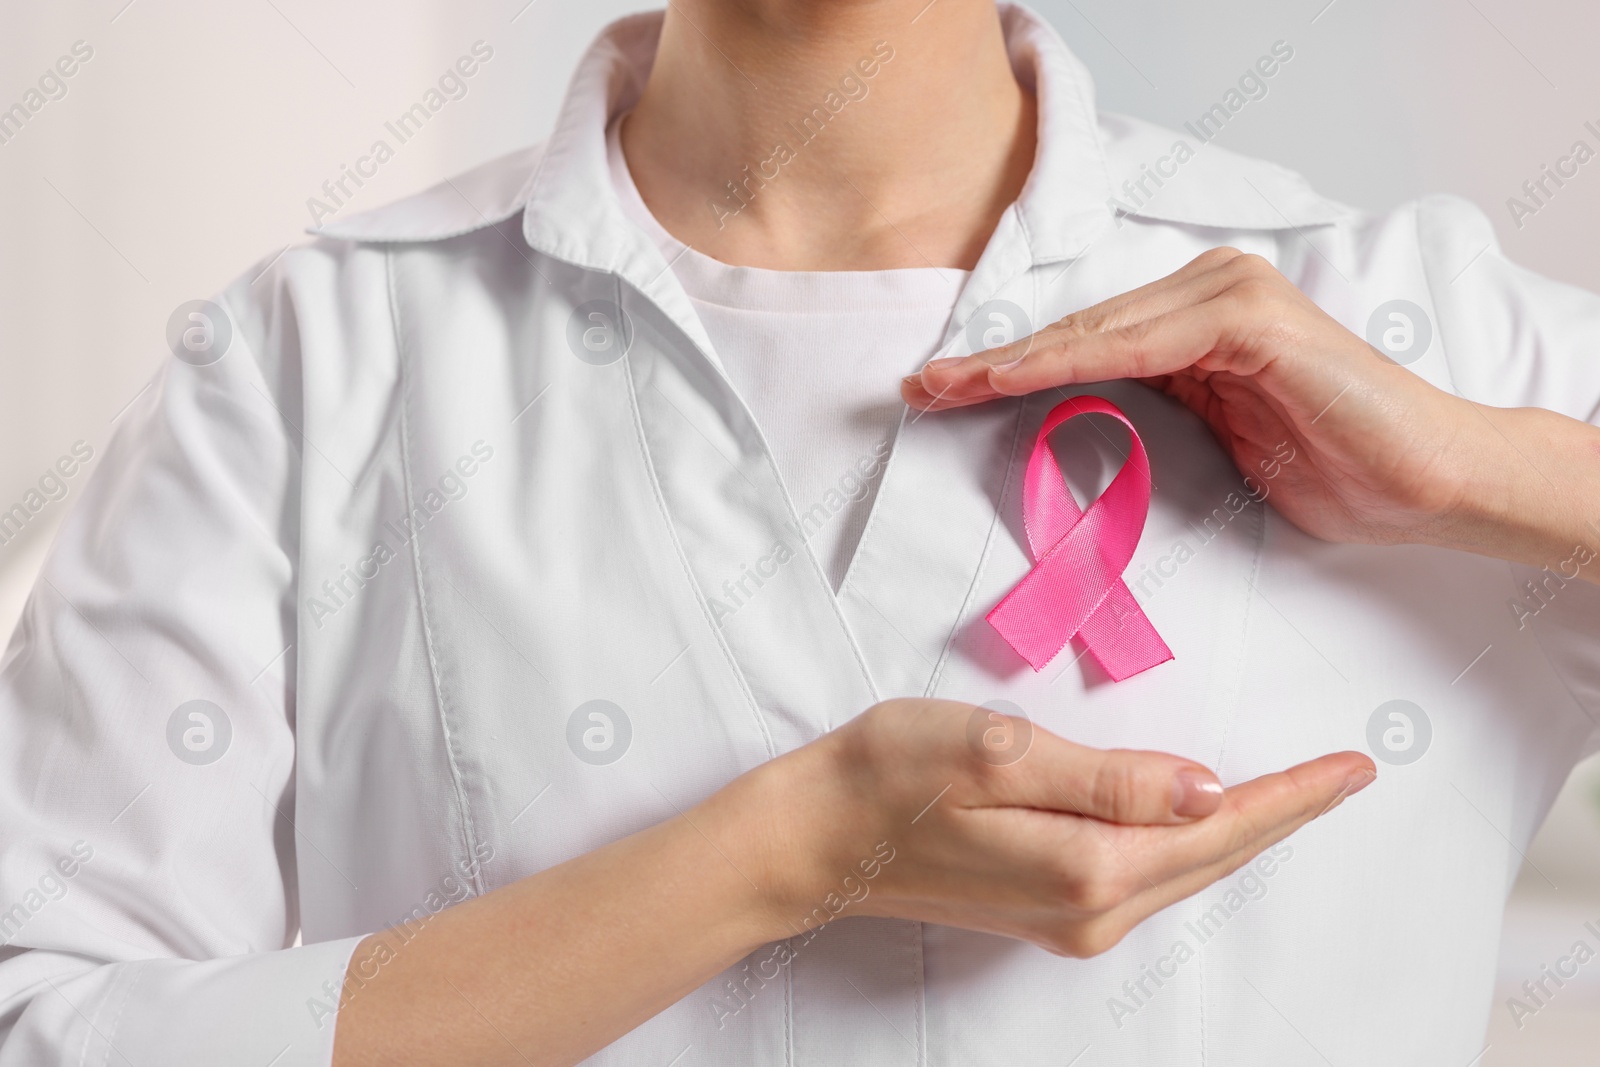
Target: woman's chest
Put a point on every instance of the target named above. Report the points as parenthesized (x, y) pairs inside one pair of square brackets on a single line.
[(577, 598)]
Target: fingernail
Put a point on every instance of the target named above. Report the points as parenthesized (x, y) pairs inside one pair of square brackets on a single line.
[(1195, 793), (1005, 357), (945, 364), (1359, 780), (1355, 783)]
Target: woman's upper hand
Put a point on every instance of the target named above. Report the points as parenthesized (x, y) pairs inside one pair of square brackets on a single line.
[(948, 813), (1360, 448)]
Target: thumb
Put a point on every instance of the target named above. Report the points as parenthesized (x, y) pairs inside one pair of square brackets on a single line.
[(1116, 785)]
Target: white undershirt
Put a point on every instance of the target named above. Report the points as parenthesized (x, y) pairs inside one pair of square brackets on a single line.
[(818, 356)]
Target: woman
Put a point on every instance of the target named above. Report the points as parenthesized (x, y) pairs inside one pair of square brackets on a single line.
[(556, 539)]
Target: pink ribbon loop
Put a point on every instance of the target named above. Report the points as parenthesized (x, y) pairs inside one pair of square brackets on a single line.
[(1076, 586)]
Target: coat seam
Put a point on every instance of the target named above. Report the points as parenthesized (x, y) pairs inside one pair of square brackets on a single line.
[(922, 999), (984, 557), (988, 540), (1244, 629), (484, 223), (464, 814), (1227, 732), (116, 1022), (677, 544), (788, 1009)]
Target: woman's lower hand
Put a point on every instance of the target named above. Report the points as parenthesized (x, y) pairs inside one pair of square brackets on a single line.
[(947, 813), (916, 809)]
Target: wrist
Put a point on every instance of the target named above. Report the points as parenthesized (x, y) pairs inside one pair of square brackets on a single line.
[(776, 818), (1527, 490)]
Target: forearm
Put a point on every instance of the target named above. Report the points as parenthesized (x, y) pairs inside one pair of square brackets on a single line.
[(549, 969), (1531, 491)]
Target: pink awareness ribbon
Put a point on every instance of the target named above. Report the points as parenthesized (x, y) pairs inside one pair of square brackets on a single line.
[(1076, 586)]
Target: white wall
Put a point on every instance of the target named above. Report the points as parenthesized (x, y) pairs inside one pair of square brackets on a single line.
[(186, 149), (1384, 101)]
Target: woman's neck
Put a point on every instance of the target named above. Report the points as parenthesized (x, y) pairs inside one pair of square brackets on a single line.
[(831, 134)]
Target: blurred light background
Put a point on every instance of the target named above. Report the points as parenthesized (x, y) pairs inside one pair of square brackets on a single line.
[(186, 147)]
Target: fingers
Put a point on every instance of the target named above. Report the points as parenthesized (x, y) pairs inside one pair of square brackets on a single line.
[(1115, 881), (1148, 896), (1251, 817), (1207, 335), (1118, 786), (1075, 349)]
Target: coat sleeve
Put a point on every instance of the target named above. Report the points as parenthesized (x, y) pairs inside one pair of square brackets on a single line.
[(1513, 338), (148, 905)]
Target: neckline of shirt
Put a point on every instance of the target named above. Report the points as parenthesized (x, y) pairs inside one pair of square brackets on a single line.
[(849, 292)]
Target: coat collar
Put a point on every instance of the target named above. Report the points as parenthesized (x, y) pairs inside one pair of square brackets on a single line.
[(1074, 194)]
